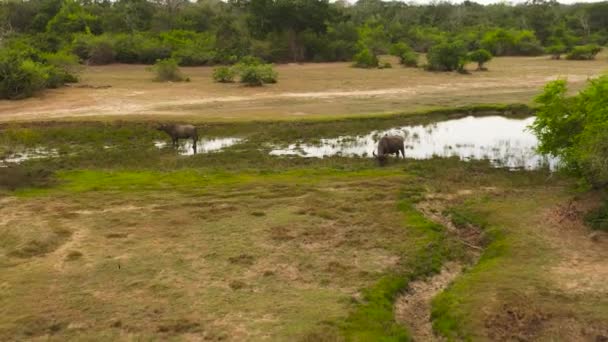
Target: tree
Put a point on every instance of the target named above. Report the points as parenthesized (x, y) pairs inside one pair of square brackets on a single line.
[(480, 56), (71, 18), (575, 129), (448, 56), (556, 50)]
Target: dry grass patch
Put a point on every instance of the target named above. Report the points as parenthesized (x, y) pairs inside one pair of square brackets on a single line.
[(172, 257), (309, 90)]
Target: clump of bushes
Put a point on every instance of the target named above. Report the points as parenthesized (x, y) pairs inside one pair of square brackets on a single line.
[(481, 57), (224, 74), (365, 58), (447, 56), (556, 50), (406, 54), (167, 70), (251, 71), (584, 52), (26, 72)]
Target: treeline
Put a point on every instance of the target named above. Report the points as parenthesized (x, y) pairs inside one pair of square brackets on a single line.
[(42, 40), (216, 32)]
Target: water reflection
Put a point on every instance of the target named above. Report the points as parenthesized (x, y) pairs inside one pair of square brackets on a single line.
[(204, 145), (504, 141)]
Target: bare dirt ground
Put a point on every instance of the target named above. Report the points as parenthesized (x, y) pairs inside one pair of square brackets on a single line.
[(308, 90)]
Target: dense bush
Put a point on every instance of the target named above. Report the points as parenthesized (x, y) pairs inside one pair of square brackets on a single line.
[(481, 57), (406, 54), (448, 56), (584, 52), (576, 128), (167, 70), (252, 71), (25, 72), (365, 59), (256, 75), (556, 50), (501, 42), (101, 51), (224, 74)]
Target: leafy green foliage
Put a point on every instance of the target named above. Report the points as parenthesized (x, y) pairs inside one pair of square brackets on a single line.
[(447, 56), (556, 50), (406, 54), (257, 75), (502, 42), (224, 74), (575, 129), (24, 73), (167, 70), (584, 52), (365, 59), (252, 72), (481, 57)]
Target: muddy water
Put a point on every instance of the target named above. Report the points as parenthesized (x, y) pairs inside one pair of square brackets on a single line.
[(205, 145), (506, 142)]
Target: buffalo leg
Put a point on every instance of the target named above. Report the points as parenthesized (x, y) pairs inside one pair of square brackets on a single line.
[(194, 141)]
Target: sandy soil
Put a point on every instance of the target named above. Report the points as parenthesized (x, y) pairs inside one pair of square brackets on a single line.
[(325, 89)]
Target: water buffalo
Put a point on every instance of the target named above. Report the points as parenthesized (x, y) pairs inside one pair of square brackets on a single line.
[(389, 144), (177, 132)]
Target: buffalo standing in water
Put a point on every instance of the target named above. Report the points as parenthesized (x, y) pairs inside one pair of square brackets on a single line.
[(389, 144), (177, 132)]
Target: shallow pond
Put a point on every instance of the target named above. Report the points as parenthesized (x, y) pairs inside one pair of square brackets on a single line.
[(506, 142), (204, 145), (32, 153)]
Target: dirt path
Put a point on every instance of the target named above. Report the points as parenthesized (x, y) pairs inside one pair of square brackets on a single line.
[(414, 307), (303, 90)]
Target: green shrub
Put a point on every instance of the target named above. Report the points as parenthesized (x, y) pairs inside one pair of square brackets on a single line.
[(255, 75), (448, 56), (20, 77), (398, 49), (127, 47), (224, 74), (153, 50), (167, 70), (268, 74), (409, 59), (80, 47), (584, 52), (480, 56), (502, 42), (101, 51), (365, 59), (62, 68), (250, 60), (556, 50), (251, 76), (406, 54)]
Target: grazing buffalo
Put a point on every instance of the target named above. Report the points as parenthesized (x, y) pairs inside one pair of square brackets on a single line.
[(177, 132), (389, 144)]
